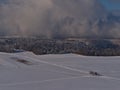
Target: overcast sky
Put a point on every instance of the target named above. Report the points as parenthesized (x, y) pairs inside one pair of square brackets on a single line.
[(111, 4), (61, 18)]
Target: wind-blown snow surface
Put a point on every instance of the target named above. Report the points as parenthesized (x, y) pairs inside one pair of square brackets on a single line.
[(26, 71)]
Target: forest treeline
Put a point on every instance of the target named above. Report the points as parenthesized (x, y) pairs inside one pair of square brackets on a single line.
[(45, 46)]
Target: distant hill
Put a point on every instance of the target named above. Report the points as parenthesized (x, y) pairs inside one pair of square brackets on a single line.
[(90, 47)]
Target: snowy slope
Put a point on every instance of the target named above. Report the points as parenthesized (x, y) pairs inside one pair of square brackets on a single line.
[(26, 71)]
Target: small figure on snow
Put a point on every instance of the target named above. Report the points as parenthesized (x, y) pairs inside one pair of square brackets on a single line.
[(94, 73)]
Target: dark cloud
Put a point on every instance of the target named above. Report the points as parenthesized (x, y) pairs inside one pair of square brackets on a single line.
[(54, 18)]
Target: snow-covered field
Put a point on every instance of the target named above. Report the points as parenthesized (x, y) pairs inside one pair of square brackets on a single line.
[(26, 71)]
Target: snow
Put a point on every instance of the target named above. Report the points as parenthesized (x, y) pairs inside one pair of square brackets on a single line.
[(26, 71)]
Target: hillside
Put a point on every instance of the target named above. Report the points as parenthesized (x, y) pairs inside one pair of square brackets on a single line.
[(89, 47), (26, 71)]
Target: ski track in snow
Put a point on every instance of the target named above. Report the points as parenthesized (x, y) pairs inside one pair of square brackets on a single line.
[(60, 66), (72, 69), (53, 64), (36, 82), (51, 80)]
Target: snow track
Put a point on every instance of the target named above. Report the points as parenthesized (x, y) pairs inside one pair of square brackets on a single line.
[(52, 64), (52, 80), (35, 82), (60, 66), (86, 73)]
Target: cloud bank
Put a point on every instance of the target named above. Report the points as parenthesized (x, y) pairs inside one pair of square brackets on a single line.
[(56, 19)]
